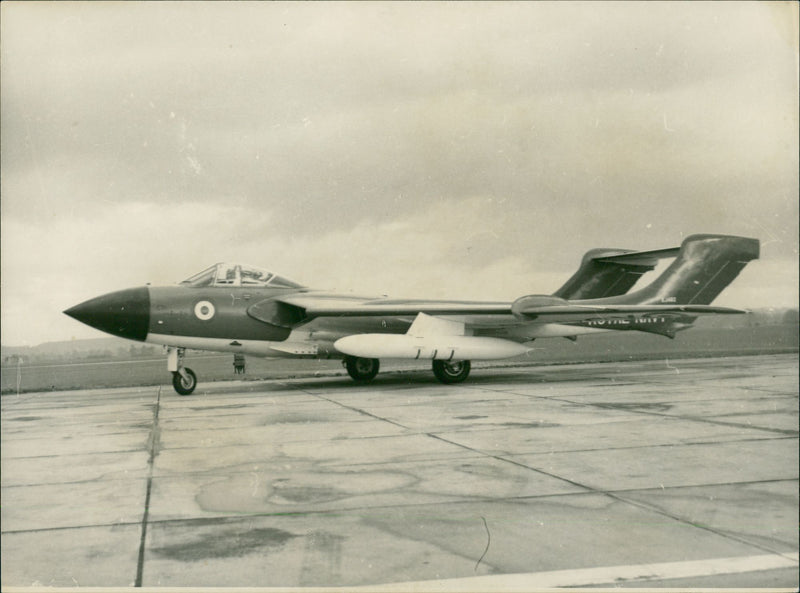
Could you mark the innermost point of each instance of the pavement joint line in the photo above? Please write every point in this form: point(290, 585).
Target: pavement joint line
point(786, 433)
point(153, 446)
point(345, 510)
point(352, 408)
point(290, 442)
point(391, 436)
point(642, 380)
point(81, 454)
point(649, 413)
point(248, 516)
point(519, 464)
point(655, 446)
point(409, 505)
point(783, 431)
point(687, 521)
point(68, 527)
point(434, 436)
point(348, 510)
point(622, 499)
point(216, 473)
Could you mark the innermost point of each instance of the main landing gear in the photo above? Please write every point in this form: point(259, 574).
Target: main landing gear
point(183, 378)
point(451, 372)
point(363, 370)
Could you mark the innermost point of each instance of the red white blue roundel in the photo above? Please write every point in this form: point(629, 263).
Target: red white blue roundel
point(204, 310)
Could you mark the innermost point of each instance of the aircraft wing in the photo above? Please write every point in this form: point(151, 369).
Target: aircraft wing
point(295, 310)
point(517, 314)
point(408, 309)
point(298, 309)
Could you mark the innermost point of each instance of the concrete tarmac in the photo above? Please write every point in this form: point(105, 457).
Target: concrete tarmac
point(644, 474)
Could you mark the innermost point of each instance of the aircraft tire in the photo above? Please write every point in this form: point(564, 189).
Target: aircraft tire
point(182, 386)
point(362, 370)
point(451, 372)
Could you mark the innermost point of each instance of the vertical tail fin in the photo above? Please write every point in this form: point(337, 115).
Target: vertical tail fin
point(704, 266)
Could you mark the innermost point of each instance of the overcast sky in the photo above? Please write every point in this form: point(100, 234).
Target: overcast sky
point(443, 150)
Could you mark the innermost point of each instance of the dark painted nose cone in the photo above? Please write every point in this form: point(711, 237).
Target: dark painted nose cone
point(125, 313)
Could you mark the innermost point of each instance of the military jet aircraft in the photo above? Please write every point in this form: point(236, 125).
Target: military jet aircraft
point(244, 309)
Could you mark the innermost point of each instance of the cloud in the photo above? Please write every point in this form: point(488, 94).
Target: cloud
point(452, 249)
point(385, 146)
point(424, 254)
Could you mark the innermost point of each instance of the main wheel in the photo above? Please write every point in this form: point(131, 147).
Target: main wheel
point(451, 372)
point(184, 386)
point(362, 369)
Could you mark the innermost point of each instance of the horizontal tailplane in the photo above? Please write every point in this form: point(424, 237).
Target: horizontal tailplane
point(610, 272)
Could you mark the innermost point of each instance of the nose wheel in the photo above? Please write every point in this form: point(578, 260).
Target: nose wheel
point(183, 379)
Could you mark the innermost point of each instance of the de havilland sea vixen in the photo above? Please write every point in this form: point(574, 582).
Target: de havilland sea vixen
point(240, 308)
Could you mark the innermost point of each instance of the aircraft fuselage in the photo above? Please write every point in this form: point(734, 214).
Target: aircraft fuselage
point(217, 318)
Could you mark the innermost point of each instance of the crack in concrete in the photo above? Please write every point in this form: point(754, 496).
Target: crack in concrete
point(153, 446)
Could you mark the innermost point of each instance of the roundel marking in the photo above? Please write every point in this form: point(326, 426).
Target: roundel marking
point(204, 310)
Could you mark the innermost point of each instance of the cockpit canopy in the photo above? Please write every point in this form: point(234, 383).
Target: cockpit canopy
point(228, 274)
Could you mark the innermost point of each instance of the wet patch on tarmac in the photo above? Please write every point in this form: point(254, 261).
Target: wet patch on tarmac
point(305, 494)
point(634, 406)
point(227, 544)
point(292, 418)
point(226, 407)
point(273, 488)
point(529, 424)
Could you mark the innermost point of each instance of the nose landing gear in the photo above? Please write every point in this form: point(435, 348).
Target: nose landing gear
point(183, 378)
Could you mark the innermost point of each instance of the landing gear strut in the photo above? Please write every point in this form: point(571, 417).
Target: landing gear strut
point(451, 372)
point(362, 370)
point(183, 378)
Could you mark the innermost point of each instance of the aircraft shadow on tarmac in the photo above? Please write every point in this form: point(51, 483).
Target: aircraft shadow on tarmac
point(389, 379)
